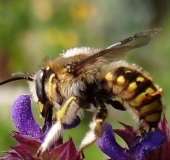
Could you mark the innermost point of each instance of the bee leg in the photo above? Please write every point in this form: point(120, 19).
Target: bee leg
point(96, 128)
point(46, 112)
point(56, 130)
point(48, 120)
point(117, 105)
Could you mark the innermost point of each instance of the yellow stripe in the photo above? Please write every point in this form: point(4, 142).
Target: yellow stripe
point(150, 107)
point(127, 71)
point(140, 79)
point(149, 91)
point(143, 95)
point(109, 76)
point(132, 87)
point(140, 98)
point(153, 117)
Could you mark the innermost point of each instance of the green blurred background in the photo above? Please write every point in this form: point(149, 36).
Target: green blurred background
point(33, 29)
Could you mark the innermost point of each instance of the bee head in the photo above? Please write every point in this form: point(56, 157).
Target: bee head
point(41, 79)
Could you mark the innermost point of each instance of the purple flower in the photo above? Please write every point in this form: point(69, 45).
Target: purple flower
point(30, 137)
point(24, 121)
point(137, 150)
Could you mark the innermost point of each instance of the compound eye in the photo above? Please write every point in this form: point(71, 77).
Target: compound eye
point(70, 68)
point(40, 86)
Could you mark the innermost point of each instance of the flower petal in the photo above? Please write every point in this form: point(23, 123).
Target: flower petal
point(109, 146)
point(25, 150)
point(125, 134)
point(66, 151)
point(151, 141)
point(24, 121)
point(23, 118)
point(74, 124)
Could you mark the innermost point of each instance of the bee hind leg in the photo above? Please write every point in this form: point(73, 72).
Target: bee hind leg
point(96, 128)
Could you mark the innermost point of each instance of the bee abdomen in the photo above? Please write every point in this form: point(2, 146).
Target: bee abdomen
point(137, 92)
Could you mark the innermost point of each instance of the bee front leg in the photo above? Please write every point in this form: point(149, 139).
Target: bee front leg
point(48, 120)
point(96, 128)
point(56, 131)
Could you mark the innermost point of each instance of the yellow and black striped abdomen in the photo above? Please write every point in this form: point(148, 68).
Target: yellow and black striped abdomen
point(137, 93)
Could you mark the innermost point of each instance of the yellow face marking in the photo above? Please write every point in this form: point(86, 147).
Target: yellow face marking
point(48, 68)
point(132, 87)
point(50, 84)
point(149, 107)
point(109, 77)
point(153, 117)
point(120, 80)
point(140, 79)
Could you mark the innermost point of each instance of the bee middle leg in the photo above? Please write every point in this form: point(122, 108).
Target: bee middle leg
point(96, 128)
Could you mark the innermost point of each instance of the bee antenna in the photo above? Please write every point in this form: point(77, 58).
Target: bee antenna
point(20, 75)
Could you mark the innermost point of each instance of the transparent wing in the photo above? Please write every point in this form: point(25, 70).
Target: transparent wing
point(118, 50)
point(137, 40)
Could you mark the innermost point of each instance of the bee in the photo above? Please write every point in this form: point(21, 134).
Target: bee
point(90, 79)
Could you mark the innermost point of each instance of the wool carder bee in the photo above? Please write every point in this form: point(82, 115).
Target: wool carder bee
point(89, 79)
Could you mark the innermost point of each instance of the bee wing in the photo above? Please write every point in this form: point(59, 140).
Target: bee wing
point(118, 50)
point(137, 40)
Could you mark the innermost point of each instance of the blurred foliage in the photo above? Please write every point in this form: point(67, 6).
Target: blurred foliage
point(33, 29)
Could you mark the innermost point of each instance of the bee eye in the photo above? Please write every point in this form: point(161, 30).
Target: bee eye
point(69, 67)
point(40, 86)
